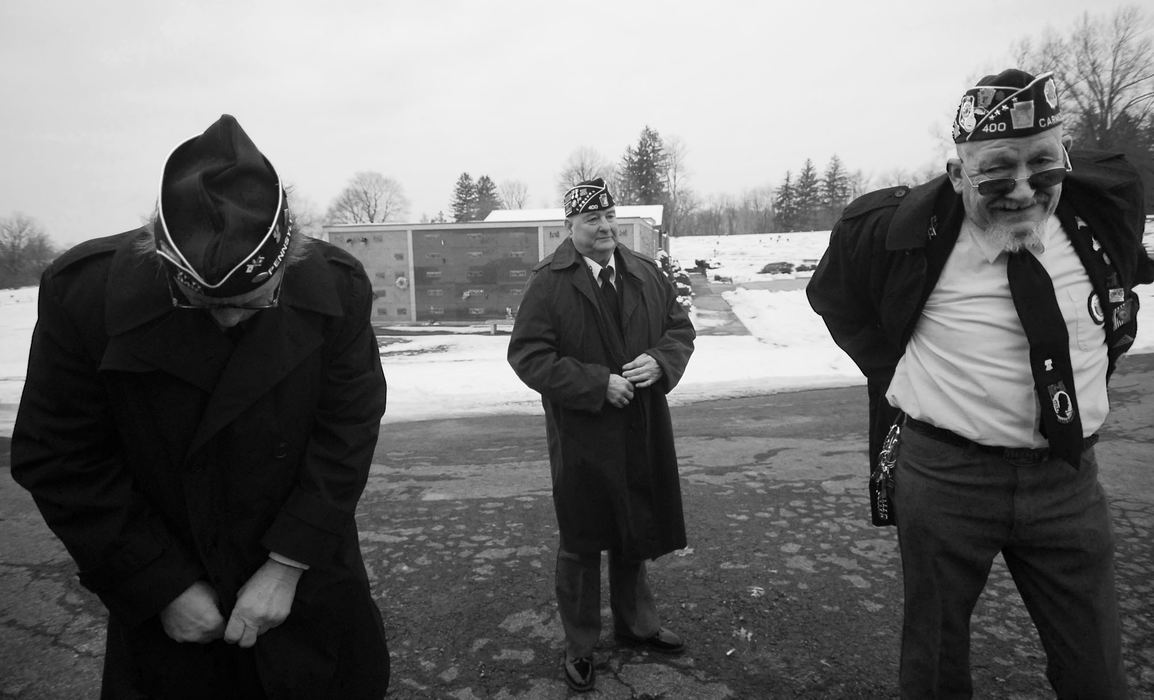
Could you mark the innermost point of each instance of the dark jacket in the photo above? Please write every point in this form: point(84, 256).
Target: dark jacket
point(889, 247)
point(615, 481)
point(161, 453)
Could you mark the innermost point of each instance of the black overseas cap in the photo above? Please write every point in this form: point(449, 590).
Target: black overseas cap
point(224, 225)
point(588, 195)
point(1008, 105)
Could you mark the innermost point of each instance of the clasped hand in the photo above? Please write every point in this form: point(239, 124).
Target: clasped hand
point(263, 603)
point(640, 373)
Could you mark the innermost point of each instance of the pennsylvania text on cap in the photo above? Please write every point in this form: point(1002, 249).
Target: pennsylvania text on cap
point(224, 225)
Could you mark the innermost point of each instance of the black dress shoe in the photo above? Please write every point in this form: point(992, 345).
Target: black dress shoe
point(664, 642)
point(579, 674)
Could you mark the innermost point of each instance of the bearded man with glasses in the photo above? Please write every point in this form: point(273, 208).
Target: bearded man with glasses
point(987, 310)
point(201, 407)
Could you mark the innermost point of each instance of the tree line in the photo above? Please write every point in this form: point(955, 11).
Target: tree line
point(25, 250)
point(1104, 67)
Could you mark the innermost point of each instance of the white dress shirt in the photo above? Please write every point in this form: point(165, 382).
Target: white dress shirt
point(967, 366)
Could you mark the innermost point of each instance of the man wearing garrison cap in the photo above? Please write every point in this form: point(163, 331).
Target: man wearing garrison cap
point(201, 406)
point(601, 337)
point(987, 310)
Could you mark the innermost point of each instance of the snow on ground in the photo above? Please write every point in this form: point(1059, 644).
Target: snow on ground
point(443, 374)
point(742, 257)
point(17, 318)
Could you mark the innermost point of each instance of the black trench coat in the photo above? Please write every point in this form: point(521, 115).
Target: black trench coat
point(160, 454)
point(615, 480)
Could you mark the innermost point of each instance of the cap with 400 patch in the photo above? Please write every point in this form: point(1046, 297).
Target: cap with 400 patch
point(588, 195)
point(224, 225)
point(1010, 104)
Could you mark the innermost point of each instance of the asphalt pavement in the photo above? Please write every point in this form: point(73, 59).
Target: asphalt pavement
point(785, 590)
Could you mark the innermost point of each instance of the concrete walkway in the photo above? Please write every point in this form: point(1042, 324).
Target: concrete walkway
point(785, 591)
point(715, 316)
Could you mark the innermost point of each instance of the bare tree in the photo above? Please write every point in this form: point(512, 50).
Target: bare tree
point(1105, 73)
point(585, 163)
point(759, 203)
point(899, 176)
point(514, 193)
point(369, 198)
point(681, 200)
point(24, 251)
point(859, 184)
point(305, 218)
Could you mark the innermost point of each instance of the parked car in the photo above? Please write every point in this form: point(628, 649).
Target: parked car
point(777, 268)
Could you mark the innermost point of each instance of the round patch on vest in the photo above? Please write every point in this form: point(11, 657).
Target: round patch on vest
point(1094, 304)
point(1063, 406)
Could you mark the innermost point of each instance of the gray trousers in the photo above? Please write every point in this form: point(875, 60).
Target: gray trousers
point(579, 600)
point(957, 508)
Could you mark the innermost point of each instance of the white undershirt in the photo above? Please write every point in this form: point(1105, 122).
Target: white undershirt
point(966, 367)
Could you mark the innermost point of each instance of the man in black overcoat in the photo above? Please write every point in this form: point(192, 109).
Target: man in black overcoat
point(201, 407)
point(601, 336)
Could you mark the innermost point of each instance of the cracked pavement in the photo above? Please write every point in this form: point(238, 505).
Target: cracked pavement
point(785, 590)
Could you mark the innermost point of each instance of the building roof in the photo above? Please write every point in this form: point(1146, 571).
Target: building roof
point(652, 212)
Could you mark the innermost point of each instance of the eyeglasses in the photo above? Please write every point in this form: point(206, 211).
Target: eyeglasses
point(180, 301)
point(1001, 186)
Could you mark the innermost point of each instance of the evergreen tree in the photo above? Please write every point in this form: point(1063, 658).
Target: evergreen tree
point(807, 197)
point(622, 182)
point(488, 198)
point(785, 205)
point(643, 170)
point(835, 192)
point(465, 199)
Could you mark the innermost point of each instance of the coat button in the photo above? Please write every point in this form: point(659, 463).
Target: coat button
point(901, 192)
point(281, 450)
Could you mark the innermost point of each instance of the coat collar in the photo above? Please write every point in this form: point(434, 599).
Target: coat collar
point(1090, 199)
point(628, 265)
point(147, 334)
point(137, 289)
point(1097, 193)
point(926, 213)
point(566, 255)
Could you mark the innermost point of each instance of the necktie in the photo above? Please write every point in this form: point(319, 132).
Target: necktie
point(609, 298)
point(1037, 306)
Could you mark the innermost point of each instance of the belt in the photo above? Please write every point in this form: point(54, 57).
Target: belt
point(1029, 455)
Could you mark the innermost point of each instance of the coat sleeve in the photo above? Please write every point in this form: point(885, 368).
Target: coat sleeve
point(318, 518)
point(66, 452)
point(844, 290)
point(535, 353)
point(675, 346)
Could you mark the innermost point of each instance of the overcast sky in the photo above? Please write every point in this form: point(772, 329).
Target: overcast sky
point(96, 94)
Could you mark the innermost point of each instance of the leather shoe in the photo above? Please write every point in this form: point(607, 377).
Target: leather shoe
point(579, 674)
point(664, 642)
